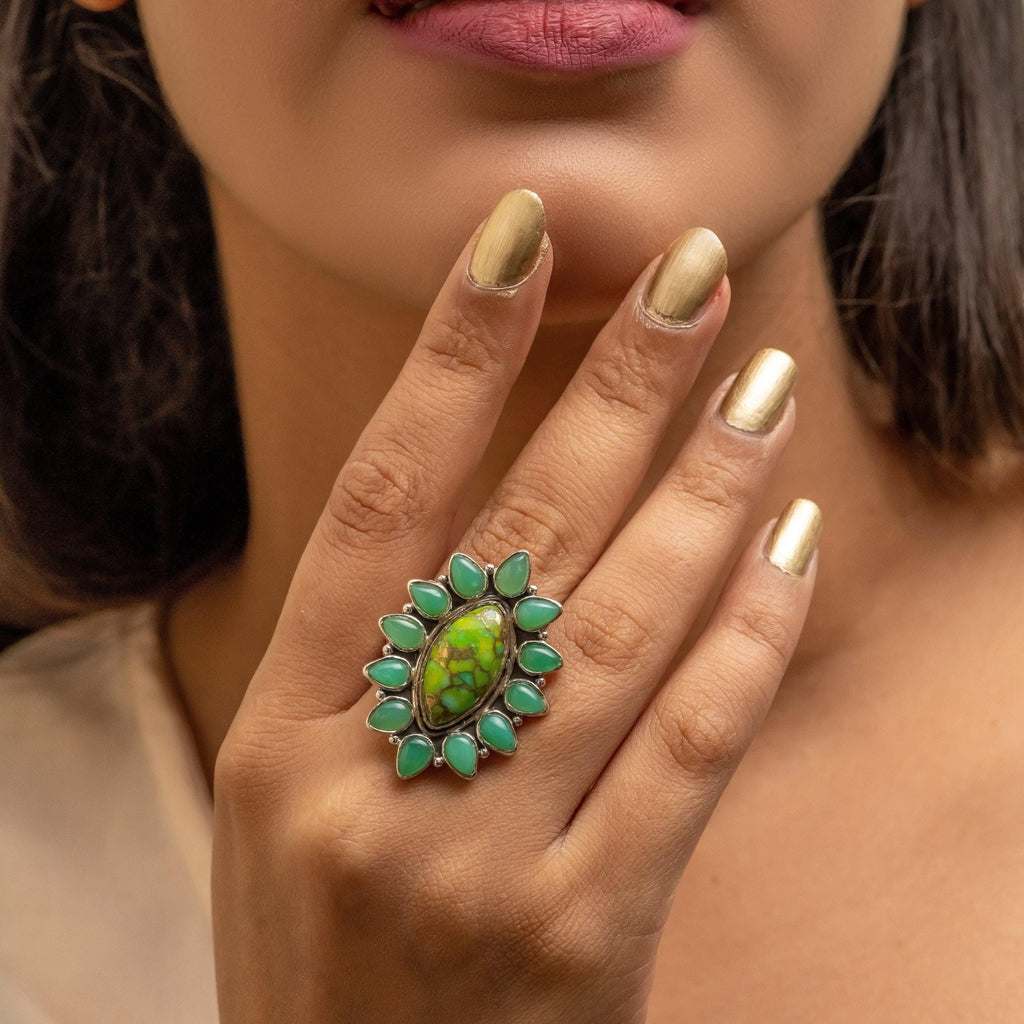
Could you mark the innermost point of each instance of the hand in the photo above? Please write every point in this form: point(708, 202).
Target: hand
point(537, 891)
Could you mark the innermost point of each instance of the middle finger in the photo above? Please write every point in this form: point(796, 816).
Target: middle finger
point(570, 486)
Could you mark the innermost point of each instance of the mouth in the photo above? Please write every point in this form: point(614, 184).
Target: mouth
point(400, 8)
point(549, 37)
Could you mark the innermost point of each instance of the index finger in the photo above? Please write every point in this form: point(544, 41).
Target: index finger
point(390, 511)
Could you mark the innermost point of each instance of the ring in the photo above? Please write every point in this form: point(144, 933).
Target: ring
point(463, 665)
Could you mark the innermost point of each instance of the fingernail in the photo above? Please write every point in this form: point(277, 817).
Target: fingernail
point(759, 393)
point(686, 278)
point(508, 248)
point(795, 537)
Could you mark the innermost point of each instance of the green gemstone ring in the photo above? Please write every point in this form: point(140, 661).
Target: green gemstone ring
point(463, 665)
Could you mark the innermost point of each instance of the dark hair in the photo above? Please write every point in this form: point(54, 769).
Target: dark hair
point(121, 466)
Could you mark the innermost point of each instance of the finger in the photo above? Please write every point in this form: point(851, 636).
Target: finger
point(570, 486)
point(624, 625)
point(390, 510)
point(645, 814)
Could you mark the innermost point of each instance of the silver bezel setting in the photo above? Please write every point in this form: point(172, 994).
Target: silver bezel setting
point(493, 701)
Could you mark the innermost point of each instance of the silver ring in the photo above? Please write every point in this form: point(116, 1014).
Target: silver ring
point(464, 664)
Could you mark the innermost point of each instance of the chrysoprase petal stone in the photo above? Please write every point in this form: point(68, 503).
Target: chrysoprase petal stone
point(391, 673)
point(496, 731)
point(536, 656)
point(511, 577)
point(525, 698)
point(415, 753)
point(533, 613)
point(430, 599)
point(459, 750)
point(463, 664)
point(391, 715)
point(467, 578)
point(405, 632)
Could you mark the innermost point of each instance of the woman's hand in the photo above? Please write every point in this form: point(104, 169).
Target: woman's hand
point(536, 892)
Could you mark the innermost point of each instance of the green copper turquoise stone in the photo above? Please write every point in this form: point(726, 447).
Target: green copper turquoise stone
point(496, 731)
point(533, 613)
point(536, 656)
point(405, 632)
point(459, 750)
point(391, 715)
point(525, 698)
point(391, 673)
point(415, 753)
point(467, 578)
point(430, 599)
point(463, 664)
point(512, 576)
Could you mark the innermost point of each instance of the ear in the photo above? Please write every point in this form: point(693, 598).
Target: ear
point(99, 5)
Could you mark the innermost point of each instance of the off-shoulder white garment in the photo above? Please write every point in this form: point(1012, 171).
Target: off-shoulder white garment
point(105, 829)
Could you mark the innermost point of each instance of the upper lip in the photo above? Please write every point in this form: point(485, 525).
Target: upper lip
point(396, 8)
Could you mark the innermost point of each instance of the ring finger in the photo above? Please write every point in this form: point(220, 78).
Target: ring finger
point(628, 618)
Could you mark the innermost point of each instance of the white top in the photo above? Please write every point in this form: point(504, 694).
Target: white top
point(105, 832)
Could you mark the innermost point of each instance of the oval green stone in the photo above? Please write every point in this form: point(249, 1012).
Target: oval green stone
point(496, 731)
point(467, 578)
point(430, 599)
point(513, 574)
point(405, 632)
point(459, 750)
point(463, 664)
point(533, 613)
point(525, 698)
point(391, 673)
point(415, 753)
point(391, 715)
point(536, 656)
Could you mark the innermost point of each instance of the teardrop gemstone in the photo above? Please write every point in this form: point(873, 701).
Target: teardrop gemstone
point(524, 698)
point(430, 599)
point(468, 580)
point(463, 665)
point(512, 576)
point(414, 754)
point(391, 715)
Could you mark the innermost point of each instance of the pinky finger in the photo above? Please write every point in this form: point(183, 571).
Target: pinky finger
point(643, 817)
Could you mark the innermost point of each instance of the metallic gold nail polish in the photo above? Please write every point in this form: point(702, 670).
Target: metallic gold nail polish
point(508, 248)
point(687, 277)
point(758, 396)
point(795, 537)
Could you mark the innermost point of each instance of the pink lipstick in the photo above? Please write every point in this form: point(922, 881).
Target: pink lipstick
point(546, 35)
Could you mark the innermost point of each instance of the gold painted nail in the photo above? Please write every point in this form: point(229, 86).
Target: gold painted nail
point(687, 277)
point(759, 394)
point(508, 249)
point(795, 537)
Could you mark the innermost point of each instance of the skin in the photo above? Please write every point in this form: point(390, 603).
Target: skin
point(862, 863)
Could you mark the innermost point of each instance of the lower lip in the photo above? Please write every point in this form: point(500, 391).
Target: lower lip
point(549, 35)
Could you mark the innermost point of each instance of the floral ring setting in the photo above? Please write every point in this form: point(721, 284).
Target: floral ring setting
point(463, 666)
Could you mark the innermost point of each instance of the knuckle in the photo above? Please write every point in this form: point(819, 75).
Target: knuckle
point(376, 496)
point(522, 521)
point(699, 734)
point(461, 343)
point(232, 772)
point(339, 856)
point(760, 627)
point(718, 486)
point(558, 942)
point(607, 634)
point(338, 838)
point(246, 773)
point(629, 382)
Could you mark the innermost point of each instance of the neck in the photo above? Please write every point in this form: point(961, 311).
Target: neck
point(314, 357)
